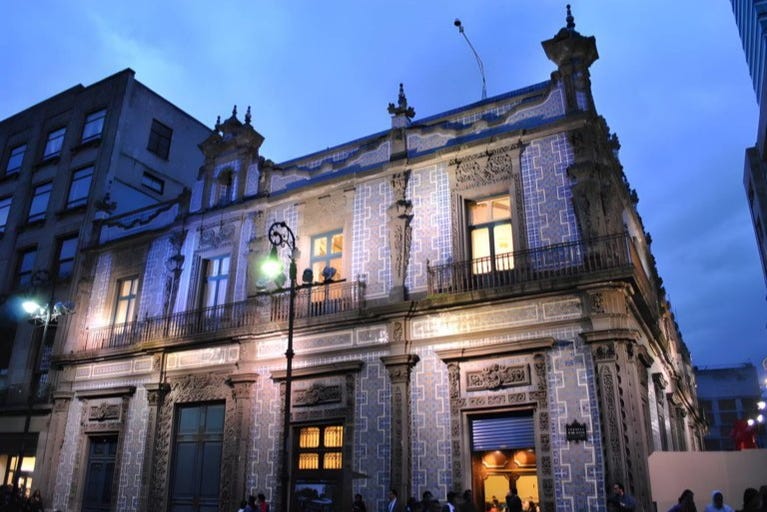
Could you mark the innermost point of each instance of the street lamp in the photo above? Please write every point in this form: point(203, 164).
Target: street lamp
point(280, 235)
point(759, 419)
point(44, 315)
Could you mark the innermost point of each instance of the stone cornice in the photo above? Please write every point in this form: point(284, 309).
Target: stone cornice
point(498, 349)
point(315, 371)
point(107, 392)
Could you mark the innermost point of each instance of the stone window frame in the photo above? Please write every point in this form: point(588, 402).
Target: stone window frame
point(534, 397)
point(318, 412)
point(184, 389)
point(482, 175)
point(95, 426)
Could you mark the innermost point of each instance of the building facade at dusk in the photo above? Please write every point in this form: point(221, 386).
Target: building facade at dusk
point(477, 308)
point(85, 153)
point(751, 20)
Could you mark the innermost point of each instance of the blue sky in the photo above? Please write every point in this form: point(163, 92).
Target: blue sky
point(671, 81)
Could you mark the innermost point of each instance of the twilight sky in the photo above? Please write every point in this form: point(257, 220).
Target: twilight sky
point(671, 81)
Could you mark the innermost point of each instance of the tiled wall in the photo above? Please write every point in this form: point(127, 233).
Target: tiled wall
point(549, 213)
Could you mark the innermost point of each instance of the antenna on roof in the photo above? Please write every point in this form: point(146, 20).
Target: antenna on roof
point(458, 24)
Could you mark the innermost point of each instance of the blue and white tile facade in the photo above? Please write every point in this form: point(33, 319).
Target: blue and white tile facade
point(360, 172)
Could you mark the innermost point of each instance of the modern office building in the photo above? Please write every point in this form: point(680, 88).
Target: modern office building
point(751, 20)
point(729, 395)
point(476, 306)
point(65, 163)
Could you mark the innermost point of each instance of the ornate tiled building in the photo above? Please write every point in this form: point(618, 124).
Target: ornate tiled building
point(480, 310)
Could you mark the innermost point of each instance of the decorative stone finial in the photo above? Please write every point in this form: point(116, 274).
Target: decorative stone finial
point(247, 116)
point(234, 112)
point(218, 123)
point(570, 20)
point(401, 108)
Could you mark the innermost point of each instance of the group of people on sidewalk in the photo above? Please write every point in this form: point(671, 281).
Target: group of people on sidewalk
point(753, 501)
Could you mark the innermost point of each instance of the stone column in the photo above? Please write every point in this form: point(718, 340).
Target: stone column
point(56, 432)
point(399, 367)
point(623, 426)
point(400, 214)
point(243, 387)
point(155, 395)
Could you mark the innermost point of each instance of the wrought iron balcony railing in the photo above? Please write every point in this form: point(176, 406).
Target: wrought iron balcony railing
point(233, 318)
point(545, 265)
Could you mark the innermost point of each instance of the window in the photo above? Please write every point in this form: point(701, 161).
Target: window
point(67, 253)
point(94, 124)
point(125, 307)
point(153, 183)
point(5, 209)
point(39, 204)
point(327, 250)
point(196, 465)
point(216, 279)
point(490, 235)
point(25, 266)
point(79, 188)
point(320, 447)
point(159, 139)
point(54, 143)
point(15, 159)
point(224, 184)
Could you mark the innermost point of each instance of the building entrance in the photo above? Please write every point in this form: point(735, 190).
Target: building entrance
point(503, 457)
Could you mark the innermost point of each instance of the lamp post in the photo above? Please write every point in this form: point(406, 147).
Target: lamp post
point(44, 315)
point(280, 235)
point(481, 66)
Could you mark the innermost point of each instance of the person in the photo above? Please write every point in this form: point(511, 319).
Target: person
point(36, 502)
point(394, 505)
point(426, 501)
point(513, 501)
point(449, 505)
point(243, 504)
point(685, 503)
point(717, 503)
point(468, 504)
point(620, 500)
point(763, 498)
point(261, 504)
point(358, 505)
point(531, 506)
point(251, 505)
point(750, 500)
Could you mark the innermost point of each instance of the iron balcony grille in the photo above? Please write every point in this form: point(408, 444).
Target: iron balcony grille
point(233, 318)
point(548, 264)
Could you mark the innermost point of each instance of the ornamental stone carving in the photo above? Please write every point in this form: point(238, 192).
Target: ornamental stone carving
point(498, 376)
point(213, 237)
point(400, 214)
point(317, 394)
point(484, 168)
point(104, 412)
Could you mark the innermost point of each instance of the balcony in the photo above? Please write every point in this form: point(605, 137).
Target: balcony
point(233, 319)
point(545, 268)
